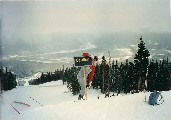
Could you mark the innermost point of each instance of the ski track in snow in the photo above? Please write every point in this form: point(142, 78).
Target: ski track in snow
point(59, 104)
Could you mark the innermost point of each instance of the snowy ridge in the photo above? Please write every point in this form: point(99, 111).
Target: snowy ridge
point(59, 104)
point(83, 47)
point(24, 81)
point(24, 55)
point(44, 57)
point(169, 51)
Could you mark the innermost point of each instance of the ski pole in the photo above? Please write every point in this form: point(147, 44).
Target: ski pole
point(85, 89)
point(11, 105)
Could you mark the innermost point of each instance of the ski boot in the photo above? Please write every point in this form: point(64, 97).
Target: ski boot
point(80, 97)
point(87, 84)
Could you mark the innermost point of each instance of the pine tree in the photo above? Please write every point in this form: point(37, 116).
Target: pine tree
point(152, 76)
point(116, 78)
point(141, 63)
point(142, 54)
point(166, 75)
point(72, 83)
point(8, 80)
point(130, 76)
point(42, 78)
point(104, 71)
point(1, 79)
point(65, 76)
point(113, 77)
point(125, 77)
point(96, 78)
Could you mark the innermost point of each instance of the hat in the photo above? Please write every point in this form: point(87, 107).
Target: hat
point(86, 55)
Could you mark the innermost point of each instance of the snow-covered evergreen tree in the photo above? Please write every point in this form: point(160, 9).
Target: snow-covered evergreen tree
point(141, 63)
point(104, 71)
point(8, 80)
point(96, 79)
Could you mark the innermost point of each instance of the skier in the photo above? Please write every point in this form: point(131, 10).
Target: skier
point(89, 72)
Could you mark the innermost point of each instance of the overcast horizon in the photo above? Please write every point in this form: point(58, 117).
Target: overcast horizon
point(85, 16)
point(27, 23)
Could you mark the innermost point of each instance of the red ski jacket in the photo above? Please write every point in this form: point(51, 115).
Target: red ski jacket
point(91, 74)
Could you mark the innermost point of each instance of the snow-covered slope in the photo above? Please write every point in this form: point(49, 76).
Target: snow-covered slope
point(59, 104)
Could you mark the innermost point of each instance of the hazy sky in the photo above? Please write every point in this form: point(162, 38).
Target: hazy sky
point(85, 16)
